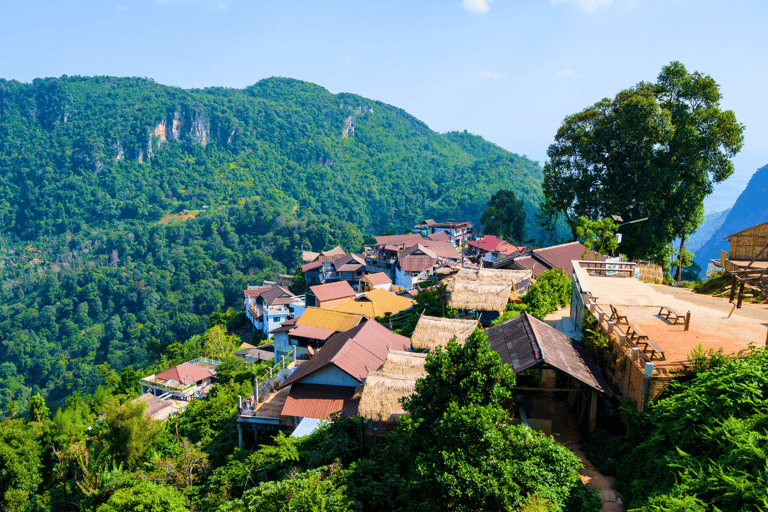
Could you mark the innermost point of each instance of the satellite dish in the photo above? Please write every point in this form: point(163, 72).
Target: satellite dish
point(311, 350)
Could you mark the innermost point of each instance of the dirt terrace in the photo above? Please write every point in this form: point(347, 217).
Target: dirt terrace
point(710, 327)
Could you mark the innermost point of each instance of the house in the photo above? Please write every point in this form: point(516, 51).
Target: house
point(485, 293)
point(414, 265)
point(158, 409)
point(349, 268)
point(310, 331)
point(326, 383)
point(382, 393)
point(547, 258)
point(490, 248)
point(459, 231)
point(376, 303)
point(182, 382)
point(371, 282)
point(268, 307)
point(747, 260)
point(525, 344)
point(432, 332)
point(328, 296)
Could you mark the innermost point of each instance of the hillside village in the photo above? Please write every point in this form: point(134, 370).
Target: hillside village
point(334, 348)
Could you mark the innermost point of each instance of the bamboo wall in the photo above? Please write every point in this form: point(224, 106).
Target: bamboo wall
point(746, 245)
point(652, 274)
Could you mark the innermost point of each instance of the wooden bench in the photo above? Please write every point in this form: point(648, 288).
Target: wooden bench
point(671, 315)
point(618, 315)
point(635, 332)
point(652, 346)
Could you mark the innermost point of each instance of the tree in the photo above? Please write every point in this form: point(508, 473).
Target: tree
point(655, 150)
point(128, 434)
point(21, 462)
point(598, 235)
point(37, 410)
point(505, 216)
point(145, 496)
point(465, 374)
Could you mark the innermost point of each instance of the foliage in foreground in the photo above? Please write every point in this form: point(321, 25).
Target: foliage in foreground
point(704, 447)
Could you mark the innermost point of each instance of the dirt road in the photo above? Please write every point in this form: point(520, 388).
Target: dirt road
point(754, 311)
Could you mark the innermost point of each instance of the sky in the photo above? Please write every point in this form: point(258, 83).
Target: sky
point(510, 71)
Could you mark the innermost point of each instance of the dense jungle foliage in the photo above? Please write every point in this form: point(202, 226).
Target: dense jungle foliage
point(455, 451)
point(131, 211)
point(703, 446)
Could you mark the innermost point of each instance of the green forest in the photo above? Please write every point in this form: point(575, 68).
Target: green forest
point(132, 211)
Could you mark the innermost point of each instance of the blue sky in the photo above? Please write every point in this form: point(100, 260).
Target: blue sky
point(507, 70)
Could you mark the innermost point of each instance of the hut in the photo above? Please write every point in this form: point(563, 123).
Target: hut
point(551, 367)
point(519, 279)
point(749, 244)
point(380, 396)
point(432, 332)
point(481, 300)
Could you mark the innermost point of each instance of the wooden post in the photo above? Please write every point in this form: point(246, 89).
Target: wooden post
point(593, 412)
point(687, 320)
point(239, 403)
point(610, 326)
point(733, 288)
point(270, 372)
point(255, 392)
point(239, 435)
point(741, 294)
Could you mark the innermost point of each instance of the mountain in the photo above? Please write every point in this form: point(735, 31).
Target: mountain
point(712, 223)
point(751, 208)
point(132, 212)
point(92, 151)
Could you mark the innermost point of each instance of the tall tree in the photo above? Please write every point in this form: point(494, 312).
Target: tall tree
point(655, 151)
point(504, 216)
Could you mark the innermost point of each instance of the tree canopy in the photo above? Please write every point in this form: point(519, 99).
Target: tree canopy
point(654, 150)
point(505, 216)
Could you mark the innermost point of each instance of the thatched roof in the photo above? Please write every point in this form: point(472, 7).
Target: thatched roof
point(380, 395)
point(432, 331)
point(404, 364)
point(480, 296)
point(520, 279)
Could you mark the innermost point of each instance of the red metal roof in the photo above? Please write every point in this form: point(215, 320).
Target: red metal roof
point(332, 291)
point(560, 256)
point(442, 249)
point(413, 238)
point(276, 294)
point(311, 266)
point(488, 243)
point(185, 373)
point(440, 236)
point(252, 293)
point(357, 351)
point(378, 278)
point(315, 333)
point(525, 342)
point(320, 401)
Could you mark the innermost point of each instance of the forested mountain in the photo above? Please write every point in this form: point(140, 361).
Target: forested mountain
point(131, 211)
point(81, 150)
point(750, 209)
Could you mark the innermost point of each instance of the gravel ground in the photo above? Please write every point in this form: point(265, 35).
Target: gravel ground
point(754, 311)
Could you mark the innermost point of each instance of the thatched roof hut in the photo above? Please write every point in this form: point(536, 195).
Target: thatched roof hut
point(480, 296)
point(432, 331)
point(520, 279)
point(404, 364)
point(380, 395)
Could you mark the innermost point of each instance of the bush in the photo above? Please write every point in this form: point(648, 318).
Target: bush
point(551, 291)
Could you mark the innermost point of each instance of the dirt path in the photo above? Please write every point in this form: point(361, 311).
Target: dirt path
point(754, 311)
point(565, 431)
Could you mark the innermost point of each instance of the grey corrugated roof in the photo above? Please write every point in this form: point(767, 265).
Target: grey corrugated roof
point(525, 342)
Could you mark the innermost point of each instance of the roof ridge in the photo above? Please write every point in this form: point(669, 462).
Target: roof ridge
point(528, 326)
